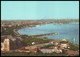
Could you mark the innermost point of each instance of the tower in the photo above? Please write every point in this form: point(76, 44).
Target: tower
point(6, 45)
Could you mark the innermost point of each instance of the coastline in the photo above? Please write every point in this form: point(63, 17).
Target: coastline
point(40, 35)
point(16, 30)
point(29, 39)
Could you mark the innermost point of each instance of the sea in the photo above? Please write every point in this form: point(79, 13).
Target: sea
point(69, 31)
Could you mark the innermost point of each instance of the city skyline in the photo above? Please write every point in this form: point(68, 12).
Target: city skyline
point(36, 10)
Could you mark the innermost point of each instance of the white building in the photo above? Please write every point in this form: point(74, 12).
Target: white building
point(56, 43)
point(47, 50)
point(64, 46)
point(33, 43)
point(57, 50)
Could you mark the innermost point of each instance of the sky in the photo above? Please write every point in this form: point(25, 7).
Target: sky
point(34, 10)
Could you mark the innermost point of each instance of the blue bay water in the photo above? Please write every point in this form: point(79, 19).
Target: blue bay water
point(67, 31)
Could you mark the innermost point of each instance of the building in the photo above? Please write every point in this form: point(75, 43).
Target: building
point(56, 43)
point(51, 42)
point(22, 49)
point(47, 50)
point(14, 42)
point(63, 46)
point(2, 46)
point(32, 48)
point(57, 49)
point(72, 53)
point(5, 45)
point(28, 49)
point(33, 43)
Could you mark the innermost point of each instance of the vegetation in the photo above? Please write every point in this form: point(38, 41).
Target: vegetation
point(47, 46)
point(64, 41)
point(28, 40)
point(31, 54)
point(74, 47)
point(9, 30)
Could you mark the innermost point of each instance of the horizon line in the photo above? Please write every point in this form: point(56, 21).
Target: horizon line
point(44, 19)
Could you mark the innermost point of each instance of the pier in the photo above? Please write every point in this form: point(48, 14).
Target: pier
point(45, 34)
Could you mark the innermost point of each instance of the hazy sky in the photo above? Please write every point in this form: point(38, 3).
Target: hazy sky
point(39, 10)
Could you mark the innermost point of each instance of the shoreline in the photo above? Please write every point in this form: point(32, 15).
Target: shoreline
point(40, 35)
point(30, 38)
point(16, 28)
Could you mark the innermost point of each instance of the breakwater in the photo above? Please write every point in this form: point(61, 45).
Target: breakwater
point(47, 34)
